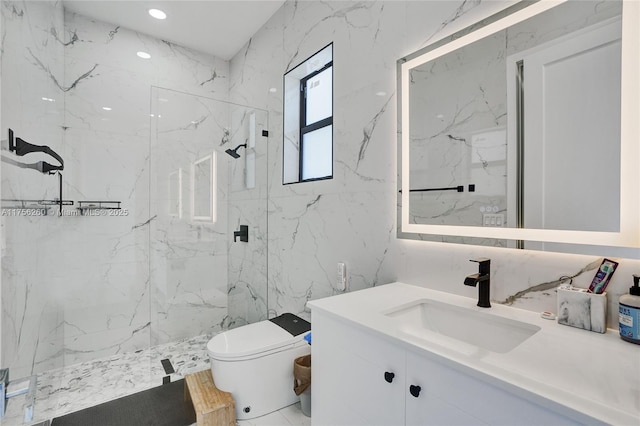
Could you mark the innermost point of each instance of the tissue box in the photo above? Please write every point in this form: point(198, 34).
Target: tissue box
point(580, 309)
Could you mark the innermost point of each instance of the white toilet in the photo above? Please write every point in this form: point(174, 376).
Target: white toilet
point(255, 363)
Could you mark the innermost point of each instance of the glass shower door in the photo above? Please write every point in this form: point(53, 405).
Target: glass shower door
point(198, 195)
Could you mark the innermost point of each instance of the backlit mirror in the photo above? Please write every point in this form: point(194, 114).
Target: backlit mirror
point(525, 127)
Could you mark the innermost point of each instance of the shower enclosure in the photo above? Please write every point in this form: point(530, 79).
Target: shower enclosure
point(142, 251)
point(202, 279)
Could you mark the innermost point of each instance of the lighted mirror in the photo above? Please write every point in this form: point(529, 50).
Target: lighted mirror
point(203, 189)
point(524, 127)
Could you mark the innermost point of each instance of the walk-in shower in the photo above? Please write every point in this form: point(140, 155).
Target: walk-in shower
point(161, 267)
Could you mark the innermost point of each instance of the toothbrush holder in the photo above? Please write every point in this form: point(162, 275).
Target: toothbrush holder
point(577, 308)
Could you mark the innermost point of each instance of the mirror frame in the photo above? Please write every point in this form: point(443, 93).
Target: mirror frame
point(629, 233)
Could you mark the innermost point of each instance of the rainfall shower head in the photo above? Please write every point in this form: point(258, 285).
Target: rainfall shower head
point(234, 152)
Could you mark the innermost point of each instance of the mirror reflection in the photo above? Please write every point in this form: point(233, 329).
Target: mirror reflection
point(521, 128)
point(203, 189)
point(175, 193)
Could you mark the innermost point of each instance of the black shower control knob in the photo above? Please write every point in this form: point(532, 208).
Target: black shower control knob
point(388, 376)
point(415, 390)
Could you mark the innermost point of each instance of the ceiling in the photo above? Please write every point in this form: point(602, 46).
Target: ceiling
point(218, 27)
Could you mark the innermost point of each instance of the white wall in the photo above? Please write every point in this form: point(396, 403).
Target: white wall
point(352, 218)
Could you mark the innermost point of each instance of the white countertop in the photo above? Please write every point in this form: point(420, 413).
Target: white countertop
point(592, 373)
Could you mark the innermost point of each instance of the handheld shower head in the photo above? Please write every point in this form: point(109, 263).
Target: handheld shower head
point(234, 152)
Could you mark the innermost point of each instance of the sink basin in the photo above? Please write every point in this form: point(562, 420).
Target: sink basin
point(423, 318)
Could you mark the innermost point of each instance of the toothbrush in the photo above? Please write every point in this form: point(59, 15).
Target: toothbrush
point(608, 270)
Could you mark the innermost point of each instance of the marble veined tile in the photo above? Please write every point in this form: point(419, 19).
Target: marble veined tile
point(102, 97)
point(302, 264)
point(104, 43)
point(64, 390)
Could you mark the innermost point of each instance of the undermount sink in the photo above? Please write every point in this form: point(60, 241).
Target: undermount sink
point(422, 318)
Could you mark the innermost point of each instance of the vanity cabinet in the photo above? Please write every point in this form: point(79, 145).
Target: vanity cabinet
point(355, 379)
point(361, 378)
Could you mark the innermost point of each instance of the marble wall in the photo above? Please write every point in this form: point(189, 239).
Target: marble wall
point(32, 60)
point(247, 266)
point(76, 288)
point(352, 218)
point(188, 239)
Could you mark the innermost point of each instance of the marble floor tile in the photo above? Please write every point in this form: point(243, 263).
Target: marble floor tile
point(75, 387)
point(295, 416)
point(291, 415)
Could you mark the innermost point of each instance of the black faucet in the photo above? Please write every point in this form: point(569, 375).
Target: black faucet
point(243, 233)
point(483, 278)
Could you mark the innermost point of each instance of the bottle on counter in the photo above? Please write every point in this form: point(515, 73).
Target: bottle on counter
point(629, 313)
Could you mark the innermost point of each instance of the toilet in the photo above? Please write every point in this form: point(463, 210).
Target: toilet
point(255, 363)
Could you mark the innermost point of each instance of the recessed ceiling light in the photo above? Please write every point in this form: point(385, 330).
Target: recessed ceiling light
point(157, 13)
point(48, 99)
point(144, 55)
point(273, 90)
point(106, 108)
point(381, 93)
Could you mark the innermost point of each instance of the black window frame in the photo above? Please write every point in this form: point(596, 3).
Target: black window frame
point(303, 128)
point(310, 127)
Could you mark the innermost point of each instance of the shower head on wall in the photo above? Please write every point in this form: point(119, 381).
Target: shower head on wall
point(234, 152)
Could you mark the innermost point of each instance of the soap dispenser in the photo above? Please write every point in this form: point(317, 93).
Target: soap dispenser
point(629, 309)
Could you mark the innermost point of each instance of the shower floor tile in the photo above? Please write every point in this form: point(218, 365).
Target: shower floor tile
point(65, 390)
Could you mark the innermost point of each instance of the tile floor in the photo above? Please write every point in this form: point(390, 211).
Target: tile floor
point(65, 390)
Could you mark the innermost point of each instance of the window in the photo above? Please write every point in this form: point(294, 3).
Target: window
point(308, 119)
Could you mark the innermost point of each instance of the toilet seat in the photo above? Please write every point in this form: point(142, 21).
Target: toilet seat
point(252, 341)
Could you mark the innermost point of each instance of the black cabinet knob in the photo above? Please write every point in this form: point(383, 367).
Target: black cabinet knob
point(389, 376)
point(415, 390)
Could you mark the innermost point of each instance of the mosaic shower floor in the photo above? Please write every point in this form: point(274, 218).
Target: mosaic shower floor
point(65, 390)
